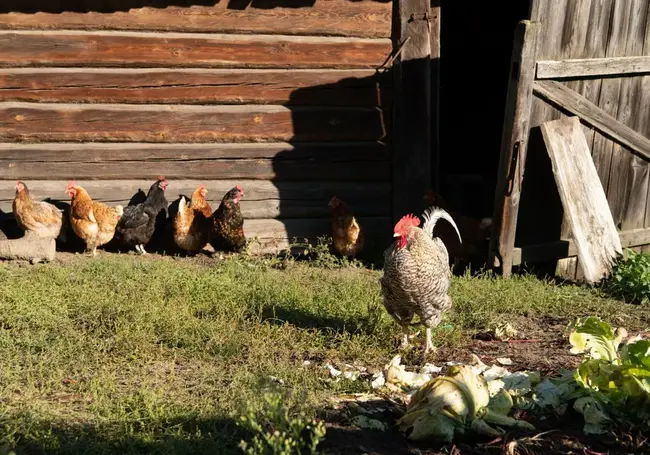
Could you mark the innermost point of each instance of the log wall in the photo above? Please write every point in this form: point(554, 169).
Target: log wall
point(281, 98)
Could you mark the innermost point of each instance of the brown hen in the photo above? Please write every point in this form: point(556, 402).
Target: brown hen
point(40, 218)
point(228, 223)
point(191, 225)
point(347, 234)
point(92, 221)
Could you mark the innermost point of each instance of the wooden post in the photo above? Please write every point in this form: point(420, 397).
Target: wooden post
point(435, 94)
point(412, 107)
point(514, 144)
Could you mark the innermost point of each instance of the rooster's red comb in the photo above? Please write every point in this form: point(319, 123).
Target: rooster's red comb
point(406, 222)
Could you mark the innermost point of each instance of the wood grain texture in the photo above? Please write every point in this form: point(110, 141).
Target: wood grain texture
point(514, 143)
point(100, 152)
point(263, 199)
point(322, 17)
point(126, 49)
point(583, 197)
point(592, 67)
point(620, 178)
point(412, 108)
point(162, 123)
point(195, 86)
point(611, 88)
point(574, 103)
point(544, 252)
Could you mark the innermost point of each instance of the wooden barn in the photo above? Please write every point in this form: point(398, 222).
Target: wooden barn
point(590, 59)
point(285, 97)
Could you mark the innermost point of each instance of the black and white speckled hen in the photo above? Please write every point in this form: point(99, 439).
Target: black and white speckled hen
point(417, 275)
point(228, 223)
point(138, 223)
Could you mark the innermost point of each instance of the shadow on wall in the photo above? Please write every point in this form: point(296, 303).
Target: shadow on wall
point(107, 6)
point(341, 148)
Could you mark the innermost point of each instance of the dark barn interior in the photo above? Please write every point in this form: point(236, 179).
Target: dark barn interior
point(475, 58)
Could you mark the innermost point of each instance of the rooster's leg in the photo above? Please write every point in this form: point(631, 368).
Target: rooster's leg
point(142, 250)
point(406, 336)
point(429, 347)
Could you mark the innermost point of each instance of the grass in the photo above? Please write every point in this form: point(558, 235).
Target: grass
point(125, 354)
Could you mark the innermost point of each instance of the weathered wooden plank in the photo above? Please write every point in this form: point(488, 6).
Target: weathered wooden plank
point(194, 86)
point(583, 197)
point(574, 103)
point(611, 87)
point(638, 169)
point(412, 111)
point(514, 143)
point(592, 67)
point(552, 18)
point(435, 30)
point(263, 199)
point(545, 252)
point(131, 49)
point(164, 123)
point(201, 169)
point(101, 152)
point(322, 17)
point(621, 170)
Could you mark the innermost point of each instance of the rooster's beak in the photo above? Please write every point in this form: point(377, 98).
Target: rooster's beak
point(396, 235)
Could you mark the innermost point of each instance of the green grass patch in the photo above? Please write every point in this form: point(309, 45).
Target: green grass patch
point(125, 354)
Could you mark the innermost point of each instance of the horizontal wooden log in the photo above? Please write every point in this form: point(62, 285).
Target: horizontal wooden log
point(195, 86)
point(563, 249)
point(592, 67)
point(163, 123)
point(201, 169)
point(322, 17)
point(100, 152)
point(572, 102)
point(123, 49)
point(263, 199)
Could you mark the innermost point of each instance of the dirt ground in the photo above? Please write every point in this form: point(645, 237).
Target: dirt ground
point(546, 350)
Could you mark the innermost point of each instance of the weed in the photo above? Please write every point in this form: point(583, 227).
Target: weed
point(630, 279)
point(276, 433)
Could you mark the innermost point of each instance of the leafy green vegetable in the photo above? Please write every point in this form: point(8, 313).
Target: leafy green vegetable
point(630, 279)
point(615, 377)
point(449, 406)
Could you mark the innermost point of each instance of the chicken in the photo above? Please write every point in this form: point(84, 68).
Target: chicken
point(228, 223)
point(40, 218)
point(416, 274)
point(474, 232)
point(347, 234)
point(92, 221)
point(138, 223)
point(191, 226)
point(199, 203)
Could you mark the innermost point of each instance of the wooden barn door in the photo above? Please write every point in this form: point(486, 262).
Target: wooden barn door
point(285, 101)
point(590, 59)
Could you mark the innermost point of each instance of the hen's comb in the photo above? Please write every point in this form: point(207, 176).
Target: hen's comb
point(161, 178)
point(406, 222)
point(238, 188)
point(71, 184)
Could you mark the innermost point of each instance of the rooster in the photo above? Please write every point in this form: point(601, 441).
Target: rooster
point(474, 232)
point(416, 274)
point(191, 225)
point(92, 221)
point(347, 234)
point(137, 225)
point(40, 218)
point(228, 223)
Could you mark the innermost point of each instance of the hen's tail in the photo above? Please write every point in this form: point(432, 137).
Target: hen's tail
point(431, 217)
